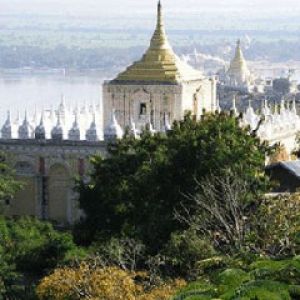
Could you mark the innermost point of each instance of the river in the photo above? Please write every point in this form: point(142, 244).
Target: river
point(29, 92)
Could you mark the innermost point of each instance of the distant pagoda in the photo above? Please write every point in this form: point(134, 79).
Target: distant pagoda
point(238, 74)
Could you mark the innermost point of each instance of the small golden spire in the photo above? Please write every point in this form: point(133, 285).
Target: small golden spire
point(159, 14)
point(159, 38)
point(239, 53)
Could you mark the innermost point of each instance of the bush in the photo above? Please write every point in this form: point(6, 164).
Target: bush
point(184, 250)
point(90, 281)
point(28, 249)
point(34, 246)
point(265, 280)
point(276, 225)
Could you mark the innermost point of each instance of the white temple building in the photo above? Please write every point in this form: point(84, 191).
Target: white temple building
point(157, 86)
point(63, 123)
point(49, 148)
point(279, 124)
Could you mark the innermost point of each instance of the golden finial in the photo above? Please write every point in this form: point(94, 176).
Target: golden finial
point(159, 15)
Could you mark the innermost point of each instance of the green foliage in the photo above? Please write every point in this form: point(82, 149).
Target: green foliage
point(262, 290)
point(184, 250)
point(287, 271)
point(8, 185)
point(136, 190)
point(34, 245)
point(28, 249)
point(276, 226)
point(264, 280)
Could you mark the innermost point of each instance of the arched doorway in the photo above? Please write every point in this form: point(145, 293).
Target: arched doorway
point(25, 202)
point(59, 191)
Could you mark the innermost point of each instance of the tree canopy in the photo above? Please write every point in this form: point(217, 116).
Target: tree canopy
point(8, 185)
point(137, 188)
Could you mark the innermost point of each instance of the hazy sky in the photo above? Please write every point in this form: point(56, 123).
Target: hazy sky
point(179, 14)
point(83, 7)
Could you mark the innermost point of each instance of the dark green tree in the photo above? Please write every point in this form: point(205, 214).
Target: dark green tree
point(30, 248)
point(8, 185)
point(137, 188)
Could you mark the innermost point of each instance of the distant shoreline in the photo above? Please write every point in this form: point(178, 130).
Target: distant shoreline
point(53, 71)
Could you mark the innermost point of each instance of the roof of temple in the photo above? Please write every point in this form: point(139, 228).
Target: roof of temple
point(293, 167)
point(159, 63)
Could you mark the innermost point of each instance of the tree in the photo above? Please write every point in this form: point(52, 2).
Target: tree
point(137, 188)
point(28, 249)
point(225, 211)
point(276, 226)
point(221, 210)
point(8, 185)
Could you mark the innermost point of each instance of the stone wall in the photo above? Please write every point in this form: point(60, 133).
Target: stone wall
point(48, 170)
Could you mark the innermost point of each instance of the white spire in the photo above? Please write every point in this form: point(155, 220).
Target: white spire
point(265, 110)
point(6, 130)
point(133, 130)
point(57, 132)
point(294, 106)
point(113, 130)
point(233, 108)
point(218, 105)
point(74, 132)
point(92, 134)
point(25, 130)
point(167, 125)
point(40, 131)
point(250, 116)
point(149, 127)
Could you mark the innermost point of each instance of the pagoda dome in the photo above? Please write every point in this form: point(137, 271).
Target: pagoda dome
point(133, 130)
point(159, 64)
point(6, 131)
point(238, 69)
point(25, 130)
point(113, 131)
point(40, 131)
point(92, 133)
point(74, 132)
point(57, 132)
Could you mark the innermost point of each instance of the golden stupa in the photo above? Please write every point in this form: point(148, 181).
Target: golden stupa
point(159, 64)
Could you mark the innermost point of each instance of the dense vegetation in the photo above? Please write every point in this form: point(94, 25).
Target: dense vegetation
point(136, 191)
point(29, 249)
point(182, 214)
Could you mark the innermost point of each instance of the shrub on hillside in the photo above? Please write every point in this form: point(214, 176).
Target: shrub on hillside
point(90, 281)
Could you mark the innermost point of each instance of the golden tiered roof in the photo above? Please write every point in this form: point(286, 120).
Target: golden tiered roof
point(159, 63)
